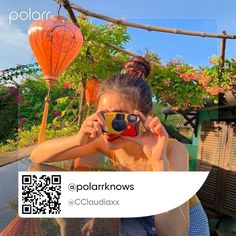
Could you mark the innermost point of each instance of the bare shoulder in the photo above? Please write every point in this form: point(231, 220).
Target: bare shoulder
point(175, 145)
point(177, 155)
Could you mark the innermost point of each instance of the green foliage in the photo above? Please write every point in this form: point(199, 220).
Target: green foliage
point(10, 98)
point(172, 120)
point(8, 112)
point(27, 138)
point(177, 84)
point(182, 86)
point(33, 92)
point(220, 80)
point(95, 57)
point(9, 146)
point(170, 87)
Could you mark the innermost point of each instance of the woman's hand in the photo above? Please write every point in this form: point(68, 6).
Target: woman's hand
point(87, 229)
point(91, 128)
point(153, 142)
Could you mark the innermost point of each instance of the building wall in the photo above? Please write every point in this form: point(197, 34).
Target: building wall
point(228, 223)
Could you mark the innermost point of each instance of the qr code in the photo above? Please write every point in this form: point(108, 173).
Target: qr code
point(41, 194)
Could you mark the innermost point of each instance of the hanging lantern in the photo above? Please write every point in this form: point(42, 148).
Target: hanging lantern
point(55, 43)
point(91, 90)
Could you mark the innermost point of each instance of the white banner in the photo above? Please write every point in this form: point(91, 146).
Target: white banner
point(104, 194)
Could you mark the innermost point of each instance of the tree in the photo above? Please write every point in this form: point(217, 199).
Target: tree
point(95, 58)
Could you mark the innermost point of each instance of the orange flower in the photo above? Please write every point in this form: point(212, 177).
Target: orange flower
point(66, 84)
point(91, 90)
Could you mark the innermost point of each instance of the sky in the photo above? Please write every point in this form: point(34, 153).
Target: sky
point(211, 16)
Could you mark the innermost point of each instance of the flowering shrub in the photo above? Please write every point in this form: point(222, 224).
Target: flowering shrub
point(177, 84)
point(183, 86)
point(223, 79)
point(8, 112)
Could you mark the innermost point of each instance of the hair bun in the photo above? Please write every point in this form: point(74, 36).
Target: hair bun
point(138, 66)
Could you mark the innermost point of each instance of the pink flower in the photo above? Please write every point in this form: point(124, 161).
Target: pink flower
point(12, 90)
point(57, 113)
point(110, 25)
point(221, 90)
point(22, 121)
point(214, 90)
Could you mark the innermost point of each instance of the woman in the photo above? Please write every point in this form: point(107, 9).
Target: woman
point(151, 150)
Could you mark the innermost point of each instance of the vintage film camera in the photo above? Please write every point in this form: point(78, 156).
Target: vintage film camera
point(121, 123)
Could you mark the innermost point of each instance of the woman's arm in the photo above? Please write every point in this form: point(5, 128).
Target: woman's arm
point(66, 148)
point(86, 142)
point(176, 221)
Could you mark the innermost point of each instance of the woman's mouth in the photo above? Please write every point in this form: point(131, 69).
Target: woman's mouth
point(111, 137)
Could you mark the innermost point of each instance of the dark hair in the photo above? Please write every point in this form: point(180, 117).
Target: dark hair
point(135, 88)
point(136, 65)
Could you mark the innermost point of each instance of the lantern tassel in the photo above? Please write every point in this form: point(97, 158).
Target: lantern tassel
point(42, 131)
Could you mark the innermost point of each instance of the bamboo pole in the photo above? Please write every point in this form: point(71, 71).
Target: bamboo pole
point(120, 49)
point(67, 5)
point(131, 53)
point(149, 27)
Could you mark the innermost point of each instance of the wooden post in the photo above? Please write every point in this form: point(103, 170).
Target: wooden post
point(222, 53)
point(222, 64)
point(82, 102)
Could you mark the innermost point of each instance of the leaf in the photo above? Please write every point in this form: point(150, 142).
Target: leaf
point(62, 100)
point(55, 122)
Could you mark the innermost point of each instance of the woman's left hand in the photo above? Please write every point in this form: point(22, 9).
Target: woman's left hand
point(154, 142)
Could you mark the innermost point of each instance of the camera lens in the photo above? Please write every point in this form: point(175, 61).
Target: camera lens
point(118, 125)
point(119, 116)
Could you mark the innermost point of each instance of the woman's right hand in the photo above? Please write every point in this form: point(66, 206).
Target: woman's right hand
point(91, 128)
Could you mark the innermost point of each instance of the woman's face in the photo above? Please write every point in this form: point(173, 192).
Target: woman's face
point(114, 102)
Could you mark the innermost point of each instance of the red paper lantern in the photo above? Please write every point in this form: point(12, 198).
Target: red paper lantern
point(55, 43)
point(91, 90)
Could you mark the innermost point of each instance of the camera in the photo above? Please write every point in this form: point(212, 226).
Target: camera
point(121, 123)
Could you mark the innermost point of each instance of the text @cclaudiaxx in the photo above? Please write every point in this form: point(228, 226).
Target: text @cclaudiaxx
point(96, 187)
point(92, 202)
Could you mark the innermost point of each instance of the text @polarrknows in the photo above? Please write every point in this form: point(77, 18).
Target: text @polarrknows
point(97, 187)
